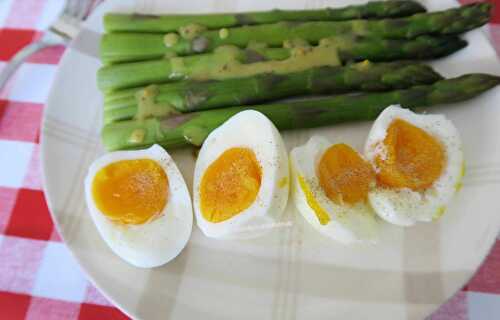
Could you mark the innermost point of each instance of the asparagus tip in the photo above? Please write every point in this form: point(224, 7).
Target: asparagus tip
point(479, 10)
point(455, 43)
point(479, 81)
point(413, 6)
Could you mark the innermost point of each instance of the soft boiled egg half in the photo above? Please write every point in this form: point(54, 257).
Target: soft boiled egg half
point(330, 189)
point(140, 205)
point(419, 164)
point(241, 178)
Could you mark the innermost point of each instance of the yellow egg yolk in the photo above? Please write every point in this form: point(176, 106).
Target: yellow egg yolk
point(131, 191)
point(344, 175)
point(413, 158)
point(230, 184)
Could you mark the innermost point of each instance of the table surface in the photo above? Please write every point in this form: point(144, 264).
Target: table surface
point(39, 279)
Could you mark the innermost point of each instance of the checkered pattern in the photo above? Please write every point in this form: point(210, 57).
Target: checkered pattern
point(39, 279)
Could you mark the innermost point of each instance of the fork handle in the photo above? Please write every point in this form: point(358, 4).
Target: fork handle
point(19, 58)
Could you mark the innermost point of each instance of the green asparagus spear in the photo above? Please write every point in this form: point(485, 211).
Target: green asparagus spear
point(120, 47)
point(193, 128)
point(189, 96)
point(166, 23)
point(127, 75)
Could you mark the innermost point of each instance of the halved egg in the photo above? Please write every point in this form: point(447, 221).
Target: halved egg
point(419, 164)
point(241, 177)
point(330, 189)
point(140, 205)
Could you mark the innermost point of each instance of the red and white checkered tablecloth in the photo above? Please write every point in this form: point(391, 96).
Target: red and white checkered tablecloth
point(39, 279)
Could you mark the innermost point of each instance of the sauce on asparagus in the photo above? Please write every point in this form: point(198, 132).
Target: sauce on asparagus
point(229, 63)
point(148, 107)
point(170, 39)
point(223, 33)
point(137, 136)
point(191, 31)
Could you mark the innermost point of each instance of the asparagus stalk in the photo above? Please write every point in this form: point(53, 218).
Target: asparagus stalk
point(189, 96)
point(193, 128)
point(127, 75)
point(120, 47)
point(166, 23)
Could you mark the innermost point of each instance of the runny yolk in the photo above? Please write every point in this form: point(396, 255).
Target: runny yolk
point(230, 184)
point(413, 158)
point(344, 175)
point(131, 191)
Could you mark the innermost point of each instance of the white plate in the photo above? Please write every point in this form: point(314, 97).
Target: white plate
point(293, 272)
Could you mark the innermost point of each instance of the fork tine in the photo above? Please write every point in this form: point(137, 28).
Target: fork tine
point(78, 9)
point(75, 11)
point(70, 8)
point(83, 9)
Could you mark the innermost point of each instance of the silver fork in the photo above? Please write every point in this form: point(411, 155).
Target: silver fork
point(62, 31)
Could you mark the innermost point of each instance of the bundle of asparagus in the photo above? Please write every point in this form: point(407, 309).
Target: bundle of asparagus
point(163, 73)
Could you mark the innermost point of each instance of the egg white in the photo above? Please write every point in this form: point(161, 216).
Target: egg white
point(348, 223)
point(155, 242)
point(405, 207)
point(253, 130)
